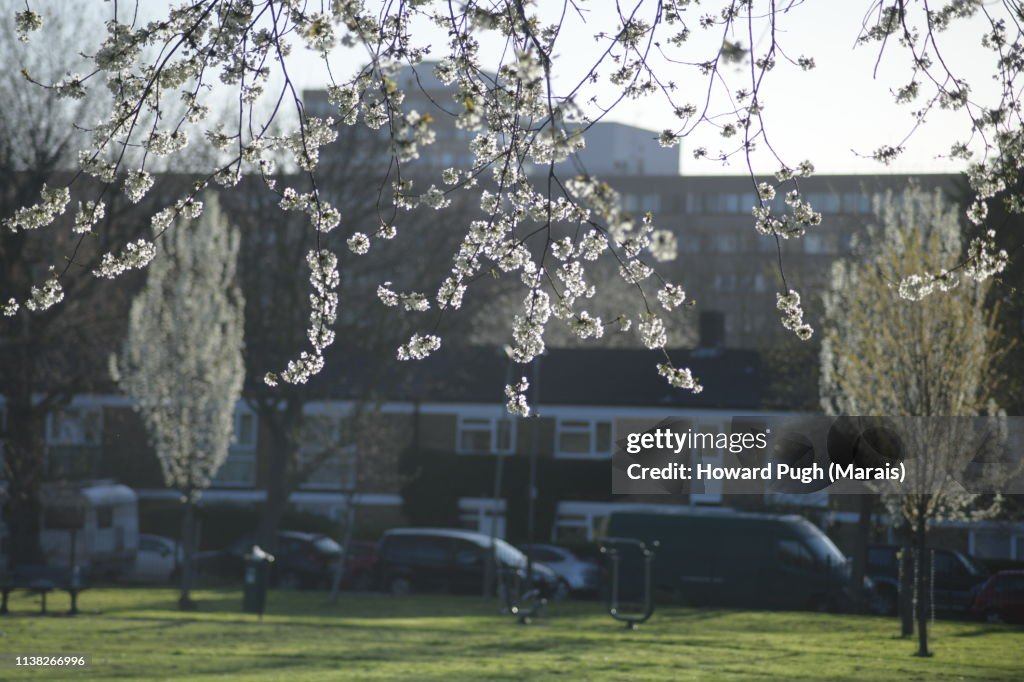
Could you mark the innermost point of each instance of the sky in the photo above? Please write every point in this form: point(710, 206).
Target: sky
point(828, 115)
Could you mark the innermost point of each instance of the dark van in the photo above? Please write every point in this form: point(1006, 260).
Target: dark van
point(450, 560)
point(957, 577)
point(728, 558)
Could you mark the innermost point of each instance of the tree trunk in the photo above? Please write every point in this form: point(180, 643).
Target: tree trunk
point(24, 459)
point(906, 587)
point(923, 585)
point(860, 552)
point(279, 475)
point(185, 602)
point(277, 489)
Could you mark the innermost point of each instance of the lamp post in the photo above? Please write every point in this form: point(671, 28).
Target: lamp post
point(531, 500)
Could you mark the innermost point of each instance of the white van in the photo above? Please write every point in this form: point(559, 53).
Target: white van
point(98, 522)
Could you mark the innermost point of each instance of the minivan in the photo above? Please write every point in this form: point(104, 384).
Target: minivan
point(451, 560)
point(729, 558)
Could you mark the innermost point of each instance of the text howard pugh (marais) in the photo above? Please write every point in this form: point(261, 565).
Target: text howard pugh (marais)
point(808, 453)
point(769, 472)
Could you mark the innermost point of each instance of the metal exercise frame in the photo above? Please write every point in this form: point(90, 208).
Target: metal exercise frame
point(524, 605)
point(609, 549)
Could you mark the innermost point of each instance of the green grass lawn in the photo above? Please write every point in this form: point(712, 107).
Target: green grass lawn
point(137, 634)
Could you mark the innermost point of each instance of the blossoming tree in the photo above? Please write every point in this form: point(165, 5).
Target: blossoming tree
point(884, 355)
point(200, 53)
point(182, 360)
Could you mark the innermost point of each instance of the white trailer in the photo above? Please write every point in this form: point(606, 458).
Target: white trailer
point(94, 525)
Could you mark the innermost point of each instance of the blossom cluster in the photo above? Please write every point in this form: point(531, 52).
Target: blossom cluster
point(515, 395)
point(679, 377)
point(793, 314)
point(136, 255)
point(419, 346)
point(43, 297)
point(323, 301)
point(53, 202)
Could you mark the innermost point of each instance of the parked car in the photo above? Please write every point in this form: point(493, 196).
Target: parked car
point(579, 575)
point(452, 560)
point(1001, 598)
point(360, 558)
point(301, 560)
point(158, 560)
point(958, 577)
point(729, 558)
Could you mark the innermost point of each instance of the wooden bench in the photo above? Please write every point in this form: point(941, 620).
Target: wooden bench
point(42, 580)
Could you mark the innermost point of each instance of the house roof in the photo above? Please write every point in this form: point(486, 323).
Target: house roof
point(732, 379)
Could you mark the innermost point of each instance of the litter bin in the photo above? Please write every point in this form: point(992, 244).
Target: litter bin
point(257, 580)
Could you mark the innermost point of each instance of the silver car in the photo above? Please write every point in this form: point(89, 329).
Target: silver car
point(158, 560)
point(580, 575)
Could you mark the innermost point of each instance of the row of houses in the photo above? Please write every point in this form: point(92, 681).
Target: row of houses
point(443, 450)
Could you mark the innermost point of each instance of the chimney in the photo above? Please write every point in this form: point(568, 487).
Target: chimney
point(711, 329)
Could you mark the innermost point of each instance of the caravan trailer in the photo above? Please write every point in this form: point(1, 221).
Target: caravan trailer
point(95, 525)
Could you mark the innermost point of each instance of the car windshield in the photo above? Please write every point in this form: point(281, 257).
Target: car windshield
point(824, 550)
point(508, 555)
point(327, 545)
point(973, 567)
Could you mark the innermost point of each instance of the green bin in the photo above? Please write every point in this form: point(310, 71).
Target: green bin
point(257, 581)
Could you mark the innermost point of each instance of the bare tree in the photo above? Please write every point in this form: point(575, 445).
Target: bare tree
point(190, 309)
point(46, 358)
point(884, 355)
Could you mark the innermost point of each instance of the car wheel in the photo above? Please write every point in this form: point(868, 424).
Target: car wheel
point(290, 581)
point(891, 601)
point(400, 587)
point(561, 591)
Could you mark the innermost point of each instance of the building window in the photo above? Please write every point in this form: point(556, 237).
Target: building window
point(650, 202)
point(74, 426)
point(326, 460)
point(856, 203)
point(725, 243)
point(824, 202)
point(814, 243)
point(690, 244)
point(483, 515)
point(999, 543)
point(583, 438)
point(694, 203)
point(767, 243)
point(239, 469)
point(726, 282)
point(485, 436)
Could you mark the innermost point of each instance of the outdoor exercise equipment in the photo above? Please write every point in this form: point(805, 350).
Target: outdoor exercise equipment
point(610, 548)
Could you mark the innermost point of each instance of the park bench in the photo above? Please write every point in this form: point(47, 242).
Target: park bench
point(42, 580)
